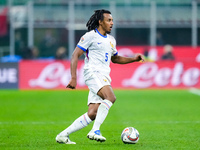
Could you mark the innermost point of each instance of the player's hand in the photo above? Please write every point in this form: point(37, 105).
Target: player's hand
point(139, 57)
point(72, 84)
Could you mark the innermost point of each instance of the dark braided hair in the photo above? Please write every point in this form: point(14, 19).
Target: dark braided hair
point(93, 22)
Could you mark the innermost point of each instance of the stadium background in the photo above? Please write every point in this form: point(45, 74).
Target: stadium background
point(49, 30)
point(160, 97)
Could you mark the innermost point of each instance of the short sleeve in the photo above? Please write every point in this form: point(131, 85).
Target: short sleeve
point(85, 42)
point(114, 49)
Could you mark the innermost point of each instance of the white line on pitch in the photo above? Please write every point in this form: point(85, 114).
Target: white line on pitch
point(194, 91)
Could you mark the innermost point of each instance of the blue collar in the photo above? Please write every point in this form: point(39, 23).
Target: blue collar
point(105, 36)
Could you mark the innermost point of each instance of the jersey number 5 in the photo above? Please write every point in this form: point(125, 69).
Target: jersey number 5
point(106, 55)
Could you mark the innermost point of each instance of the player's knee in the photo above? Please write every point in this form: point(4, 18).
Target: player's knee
point(92, 114)
point(112, 99)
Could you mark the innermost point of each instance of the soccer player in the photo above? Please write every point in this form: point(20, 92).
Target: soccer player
point(99, 48)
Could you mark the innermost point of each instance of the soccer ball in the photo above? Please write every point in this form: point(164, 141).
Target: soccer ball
point(130, 135)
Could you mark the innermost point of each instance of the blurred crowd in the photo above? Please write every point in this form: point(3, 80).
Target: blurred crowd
point(48, 48)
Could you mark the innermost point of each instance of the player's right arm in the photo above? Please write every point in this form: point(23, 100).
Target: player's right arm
point(73, 67)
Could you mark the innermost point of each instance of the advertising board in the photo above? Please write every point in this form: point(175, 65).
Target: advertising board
point(164, 74)
point(9, 75)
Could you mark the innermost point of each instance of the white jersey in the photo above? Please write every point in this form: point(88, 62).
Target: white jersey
point(98, 51)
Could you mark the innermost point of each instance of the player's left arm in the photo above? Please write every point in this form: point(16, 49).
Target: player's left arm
point(125, 60)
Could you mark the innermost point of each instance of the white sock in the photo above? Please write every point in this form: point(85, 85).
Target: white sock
point(78, 124)
point(102, 112)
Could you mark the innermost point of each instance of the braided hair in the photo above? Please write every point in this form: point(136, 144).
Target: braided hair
point(93, 22)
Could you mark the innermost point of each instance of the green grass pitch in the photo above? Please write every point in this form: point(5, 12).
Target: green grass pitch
point(165, 119)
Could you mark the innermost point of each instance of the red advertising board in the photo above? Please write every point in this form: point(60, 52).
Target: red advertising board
point(183, 72)
point(173, 74)
point(44, 74)
point(161, 74)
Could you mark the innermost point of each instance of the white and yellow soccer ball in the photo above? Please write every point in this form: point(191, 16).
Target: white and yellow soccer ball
point(130, 135)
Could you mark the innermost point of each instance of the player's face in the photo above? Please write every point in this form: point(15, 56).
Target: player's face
point(107, 23)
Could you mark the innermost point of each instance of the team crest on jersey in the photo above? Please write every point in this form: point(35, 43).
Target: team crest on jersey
point(82, 39)
point(111, 45)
